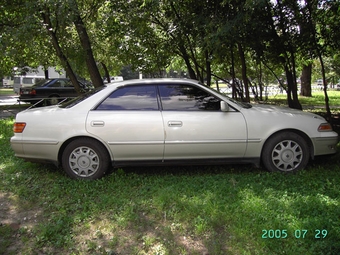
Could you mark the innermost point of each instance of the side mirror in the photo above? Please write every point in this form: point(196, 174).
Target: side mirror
point(224, 106)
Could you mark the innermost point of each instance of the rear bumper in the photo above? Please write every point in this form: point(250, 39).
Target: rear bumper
point(35, 151)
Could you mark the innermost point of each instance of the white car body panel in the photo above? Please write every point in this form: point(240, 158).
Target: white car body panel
point(192, 135)
point(129, 135)
point(266, 120)
point(53, 125)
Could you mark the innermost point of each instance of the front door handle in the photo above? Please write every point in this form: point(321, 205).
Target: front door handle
point(97, 123)
point(175, 123)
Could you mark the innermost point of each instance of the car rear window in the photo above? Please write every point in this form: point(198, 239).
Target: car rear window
point(77, 100)
point(133, 98)
point(41, 83)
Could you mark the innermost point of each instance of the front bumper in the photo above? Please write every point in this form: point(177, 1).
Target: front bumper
point(325, 145)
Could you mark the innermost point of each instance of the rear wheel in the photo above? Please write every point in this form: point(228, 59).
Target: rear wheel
point(285, 152)
point(52, 100)
point(85, 158)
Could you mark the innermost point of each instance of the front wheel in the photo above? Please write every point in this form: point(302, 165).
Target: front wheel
point(85, 159)
point(285, 152)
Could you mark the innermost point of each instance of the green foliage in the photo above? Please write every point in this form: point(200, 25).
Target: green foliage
point(149, 35)
point(5, 241)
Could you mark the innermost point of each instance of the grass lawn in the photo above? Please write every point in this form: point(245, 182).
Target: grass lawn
point(6, 92)
point(168, 210)
point(317, 99)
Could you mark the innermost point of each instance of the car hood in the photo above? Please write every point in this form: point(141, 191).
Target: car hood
point(279, 110)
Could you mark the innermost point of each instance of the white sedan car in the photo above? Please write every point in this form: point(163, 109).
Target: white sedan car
point(167, 121)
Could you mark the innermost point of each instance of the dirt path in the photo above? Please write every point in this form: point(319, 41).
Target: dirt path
point(16, 221)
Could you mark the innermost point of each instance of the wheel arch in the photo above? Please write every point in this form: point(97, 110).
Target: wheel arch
point(71, 139)
point(296, 131)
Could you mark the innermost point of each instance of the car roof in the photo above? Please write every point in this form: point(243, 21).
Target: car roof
point(151, 81)
point(48, 81)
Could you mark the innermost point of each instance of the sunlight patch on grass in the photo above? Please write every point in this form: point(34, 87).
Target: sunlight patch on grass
point(317, 99)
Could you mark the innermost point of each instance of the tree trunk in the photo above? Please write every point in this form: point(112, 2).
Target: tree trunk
point(86, 45)
point(293, 101)
point(328, 110)
point(59, 52)
point(244, 72)
point(233, 76)
point(208, 68)
point(260, 82)
point(306, 81)
point(217, 86)
point(46, 73)
point(186, 59)
point(294, 87)
point(106, 71)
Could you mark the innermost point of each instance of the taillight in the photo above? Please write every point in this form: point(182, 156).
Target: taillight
point(33, 92)
point(19, 127)
point(324, 127)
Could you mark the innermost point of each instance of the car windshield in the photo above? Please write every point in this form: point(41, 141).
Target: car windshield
point(80, 98)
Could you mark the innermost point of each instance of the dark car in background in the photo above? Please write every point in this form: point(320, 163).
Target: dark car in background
point(52, 91)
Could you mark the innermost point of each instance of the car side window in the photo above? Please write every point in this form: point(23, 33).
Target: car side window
point(131, 98)
point(56, 84)
point(68, 84)
point(62, 83)
point(187, 98)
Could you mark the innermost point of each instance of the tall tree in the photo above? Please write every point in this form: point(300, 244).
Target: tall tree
point(306, 80)
point(325, 40)
point(225, 39)
point(283, 45)
point(307, 27)
point(54, 18)
point(45, 14)
point(23, 40)
point(86, 45)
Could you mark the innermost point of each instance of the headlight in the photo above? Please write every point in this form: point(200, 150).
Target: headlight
point(325, 127)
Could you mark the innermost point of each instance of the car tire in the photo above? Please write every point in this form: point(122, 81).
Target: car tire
point(53, 100)
point(285, 152)
point(86, 159)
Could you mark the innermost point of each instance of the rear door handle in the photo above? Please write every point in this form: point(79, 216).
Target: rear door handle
point(173, 123)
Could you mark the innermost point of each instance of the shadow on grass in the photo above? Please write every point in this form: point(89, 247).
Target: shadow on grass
point(189, 169)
